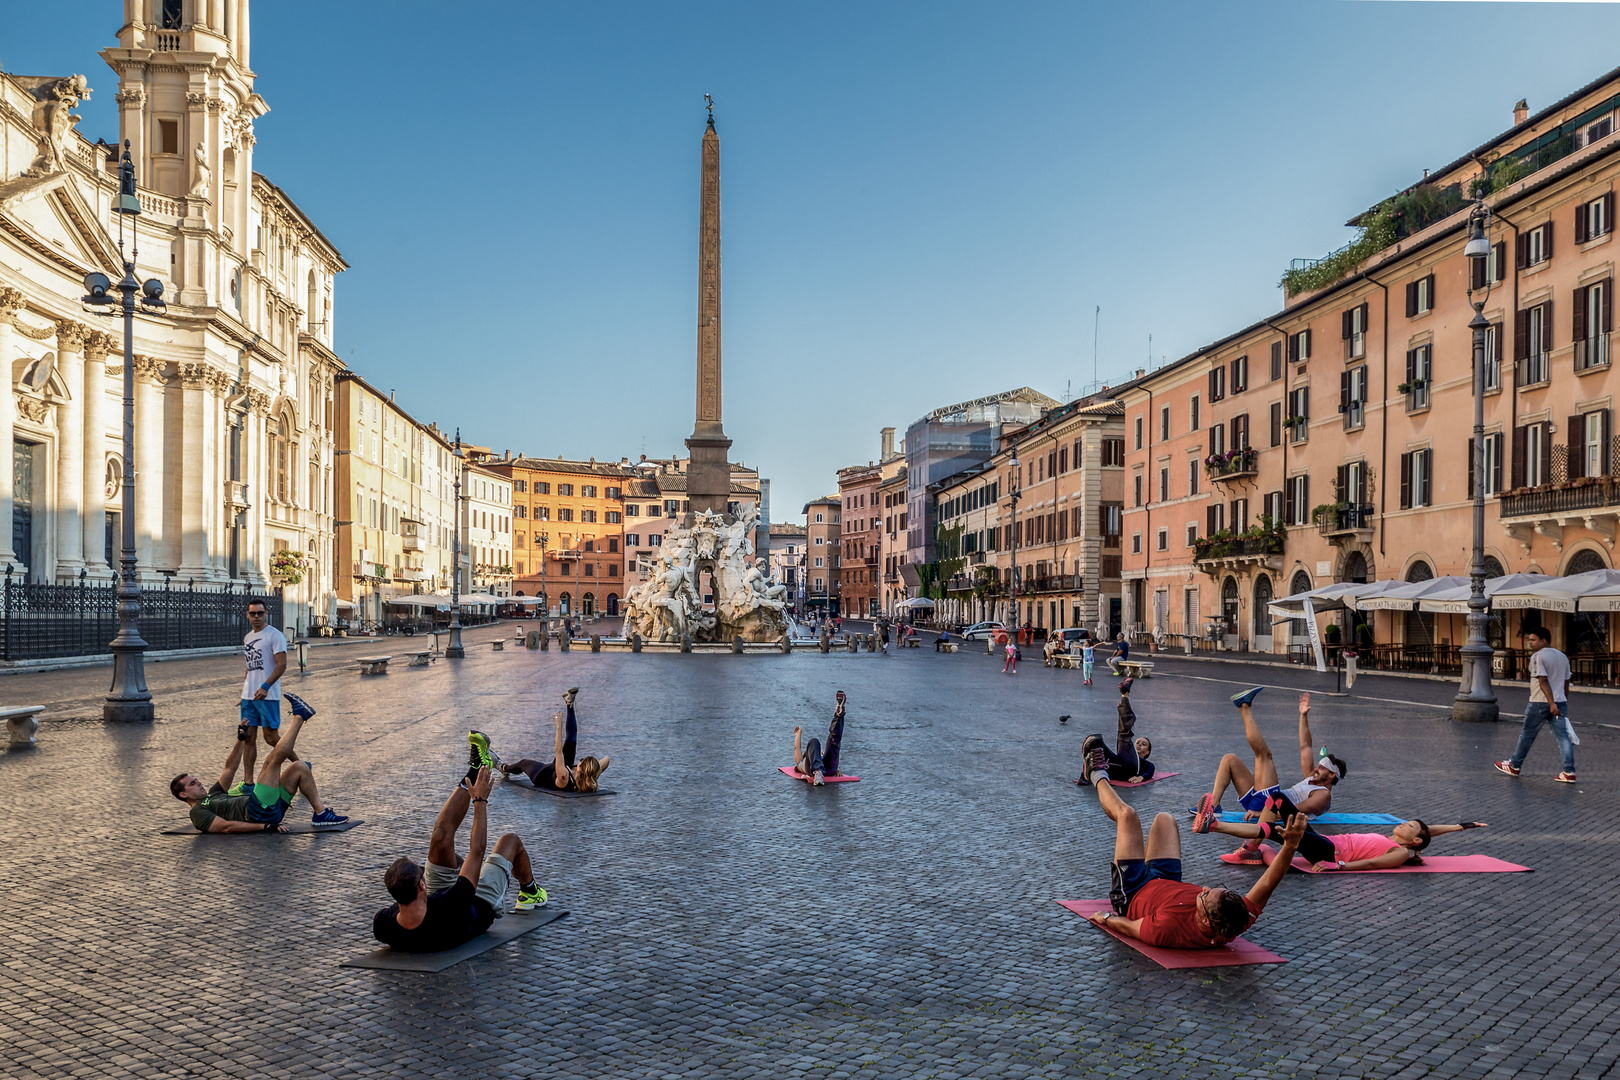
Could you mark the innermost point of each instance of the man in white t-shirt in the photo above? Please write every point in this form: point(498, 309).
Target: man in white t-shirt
point(265, 650)
point(1549, 704)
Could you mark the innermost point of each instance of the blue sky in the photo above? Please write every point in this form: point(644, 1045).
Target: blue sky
point(921, 203)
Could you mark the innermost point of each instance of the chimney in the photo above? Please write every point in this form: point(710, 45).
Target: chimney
point(1521, 112)
point(888, 444)
point(1141, 372)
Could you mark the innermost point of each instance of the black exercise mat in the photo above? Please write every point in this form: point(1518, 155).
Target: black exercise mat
point(572, 794)
point(292, 827)
point(513, 925)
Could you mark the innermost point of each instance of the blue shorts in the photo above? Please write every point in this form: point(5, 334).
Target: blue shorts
point(265, 714)
point(1131, 874)
point(1256, 800)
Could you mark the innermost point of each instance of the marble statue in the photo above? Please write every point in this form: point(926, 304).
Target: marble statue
point(199, 159)
point(747, 602)
point(54, 118)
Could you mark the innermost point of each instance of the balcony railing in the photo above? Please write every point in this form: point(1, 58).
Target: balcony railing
point(1232, 466)
point(1552, 499)
point(1592, 352)
point(1532, 370)
point(1247, 547)
point(1337, 520)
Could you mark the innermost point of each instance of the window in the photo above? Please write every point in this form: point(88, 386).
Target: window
point(615, 493)
point(672, 507)
point(1193, 423)
point(632, 510)
point(1273, 505)
point(1419, 364)
point(632, 540)
point(1493, 464)
point(565, 489)
point(1192, 476)
point(520, 485)
point(1532, 341)
point(542, 513)
point(1217, 439)
point(1113, 453)
point(1192, 535)
point(587, 515)
point(1353, 396)
point(1162, 541)
point(1276, 360)
point(819, 541)
point(169, 136)
point(655, 540)
point(587, 491)
point(1299, 348)
point(1113, 523)
point(1534, 247)
point(1355, 332)
point(1276, 423)
point(1299, 404)
point(1594, 219)
point(818, 521)
point(1164, 484)
point(613, 545)
point(1600, 130)
point(1417, 475)
point(1214, 519)
point(1419, 297)
point(1240, 374)
point(1297, 500)
point(1217, 383)
point(1493, 357)
point(1589, 444)
point(541, 487)
point(1138, 433)
point(1591, 330)
point(520, 512)
point(1136, 543)
point(819, 561)
point(1489, 270)
point(1164, 424)
point(1240, 431)
point(1136, 488)
point(614, 517)
point(565, 513)
point(652, 511)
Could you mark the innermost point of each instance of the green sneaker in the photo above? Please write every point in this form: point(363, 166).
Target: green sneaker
point(530, 897)
point(479, 755)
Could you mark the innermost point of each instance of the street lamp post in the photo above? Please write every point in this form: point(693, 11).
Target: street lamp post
point(545, 599)
point(455, 651)
point(1013, 491)
point(129, 699)
point(1476, 701)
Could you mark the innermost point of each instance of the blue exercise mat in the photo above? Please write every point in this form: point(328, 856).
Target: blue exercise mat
point(1329, 818)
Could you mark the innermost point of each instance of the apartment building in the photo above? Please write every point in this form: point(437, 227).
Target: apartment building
point(487, 532)
point(893, 494)
point(787, 555)
point(823, 529)
point(567, 531)
point(861, 538)
point(1334, 437)
point(968, 509)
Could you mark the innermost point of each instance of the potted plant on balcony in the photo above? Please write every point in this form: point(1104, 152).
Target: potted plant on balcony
point(287, 567)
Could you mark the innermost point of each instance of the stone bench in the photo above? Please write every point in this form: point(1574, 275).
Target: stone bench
point(23, 722)
point(421, 659)
point(498, 644)
point(947, 646)
point(1141, 669)
point(373, 665)
point(910, 643)
point(1064, 660)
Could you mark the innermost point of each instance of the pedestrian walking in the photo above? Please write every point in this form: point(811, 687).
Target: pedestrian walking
point(1549, 705)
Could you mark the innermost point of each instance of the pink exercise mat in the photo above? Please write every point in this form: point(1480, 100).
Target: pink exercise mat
point(1135, 783)
point(1432, 864)
point(1234, 953)
point(843, 778)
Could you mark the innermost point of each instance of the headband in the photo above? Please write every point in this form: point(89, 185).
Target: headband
point(1327, 763)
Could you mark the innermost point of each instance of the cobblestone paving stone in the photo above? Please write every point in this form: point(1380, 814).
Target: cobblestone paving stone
point(728, 921)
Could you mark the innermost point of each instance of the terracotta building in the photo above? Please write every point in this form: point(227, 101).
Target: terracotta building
point(567, 531)
point(861, 538)
point(823, 530)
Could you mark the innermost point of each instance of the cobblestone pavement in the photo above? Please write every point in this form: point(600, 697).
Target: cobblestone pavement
point(728, 920)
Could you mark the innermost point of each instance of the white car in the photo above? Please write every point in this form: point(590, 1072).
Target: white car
point(983, 630)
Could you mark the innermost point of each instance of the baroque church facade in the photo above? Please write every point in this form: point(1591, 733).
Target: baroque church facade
point(235, 438)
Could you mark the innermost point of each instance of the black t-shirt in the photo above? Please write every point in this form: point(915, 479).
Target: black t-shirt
point(454, 915)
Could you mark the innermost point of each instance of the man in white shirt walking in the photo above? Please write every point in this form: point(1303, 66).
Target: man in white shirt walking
point(1549, 704)
point(265, 650)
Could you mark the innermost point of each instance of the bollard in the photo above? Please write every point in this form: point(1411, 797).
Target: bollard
point(635, 642)
point(596, 643)
point(563, 640)
point(826, 643)
point(686, 643)
point(737, 644)
point(786, 644)
point(531, 640)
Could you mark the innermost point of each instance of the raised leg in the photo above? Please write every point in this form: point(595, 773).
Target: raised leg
point(442, 845)
point(1128, 827)
point(281, 752)
point(570, 738)
point(510, 848)
point(1265, 769)
point(297, 778)
point(1164, 838)
point(1231, 772)
point(835, 738)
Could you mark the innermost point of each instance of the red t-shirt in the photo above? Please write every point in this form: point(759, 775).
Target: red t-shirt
point(1169, 914)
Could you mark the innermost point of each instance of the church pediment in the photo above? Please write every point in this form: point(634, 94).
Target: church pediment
point(54, 218)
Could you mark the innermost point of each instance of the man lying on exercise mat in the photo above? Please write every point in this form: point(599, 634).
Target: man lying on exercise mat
point(1128, 762)
point(1341, 851)
point(814, 761)
point(1151, 902)
point(258, 807)
point(1311, 796)
point(440, 907)
point(560, 773)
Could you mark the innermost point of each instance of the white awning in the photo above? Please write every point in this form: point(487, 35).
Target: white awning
point(1327, 598)
point(342, 605)
point(1453, 600)
point(1404, 595)
point(915, 602)
point(1561, 594)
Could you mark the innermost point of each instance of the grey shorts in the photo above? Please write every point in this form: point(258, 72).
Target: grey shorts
point(494, 878)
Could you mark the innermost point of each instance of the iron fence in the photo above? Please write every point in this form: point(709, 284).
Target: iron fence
point(44, 621)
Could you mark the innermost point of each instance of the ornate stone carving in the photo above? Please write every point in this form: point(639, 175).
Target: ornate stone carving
point(151, 371)
point(54, 118)
point(259, 402)
point(220, 382)
point(115, 370)
point(10, 300)
point(199, 167)
point(32, 408)
point(196, 101)
point(748, 604)
point(214, 104)
point(71, 336)
point(38, 333)
point(134, 97)
point(98, 344)
point(195, 376)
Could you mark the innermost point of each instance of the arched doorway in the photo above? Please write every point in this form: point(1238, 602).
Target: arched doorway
point(1586, 631)
point(1419, 624)
point(1296, 627)
point(612, 603)
point(587, 604)
point(565, 604)
point(1260, 632)
point(1355, 569)
point(1229, 610)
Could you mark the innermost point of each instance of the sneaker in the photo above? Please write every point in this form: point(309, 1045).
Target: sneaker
point(1565, 778)
point(1248, 855)
point(1097, 764)
point(1205, 814)
point(817, 778)
point(530, 897)
point(327, 817)
point(1505, 767)
point(1247, 697)
point(300, 708)
point(568, 696)
point(478, 755)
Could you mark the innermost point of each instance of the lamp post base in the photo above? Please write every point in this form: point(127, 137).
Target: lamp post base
point(129, 701)
point(1475, 702)
point(454, 651)
point(1475, 712)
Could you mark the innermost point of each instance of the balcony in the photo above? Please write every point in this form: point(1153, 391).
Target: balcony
point(1233, 465)
point(1343, 522)
point(1592, 502)
point(1234, 552)
point(413, 543)
point(1592, 353)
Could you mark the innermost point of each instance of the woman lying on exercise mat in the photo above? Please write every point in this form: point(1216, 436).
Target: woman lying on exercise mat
point(560, 773)
point(1340, 851)
point(813, 761)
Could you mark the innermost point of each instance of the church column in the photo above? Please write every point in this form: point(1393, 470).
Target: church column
point(149, 383)
point(193, 436)
point(252, 563)
point(11, 300)
point(94, 464)
point(219, 542)
point(70, 489)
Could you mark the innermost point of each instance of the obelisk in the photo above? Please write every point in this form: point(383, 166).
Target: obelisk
point(708, 481)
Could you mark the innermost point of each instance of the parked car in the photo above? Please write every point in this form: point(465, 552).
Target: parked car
point(983, 630)
point(1072, 636)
